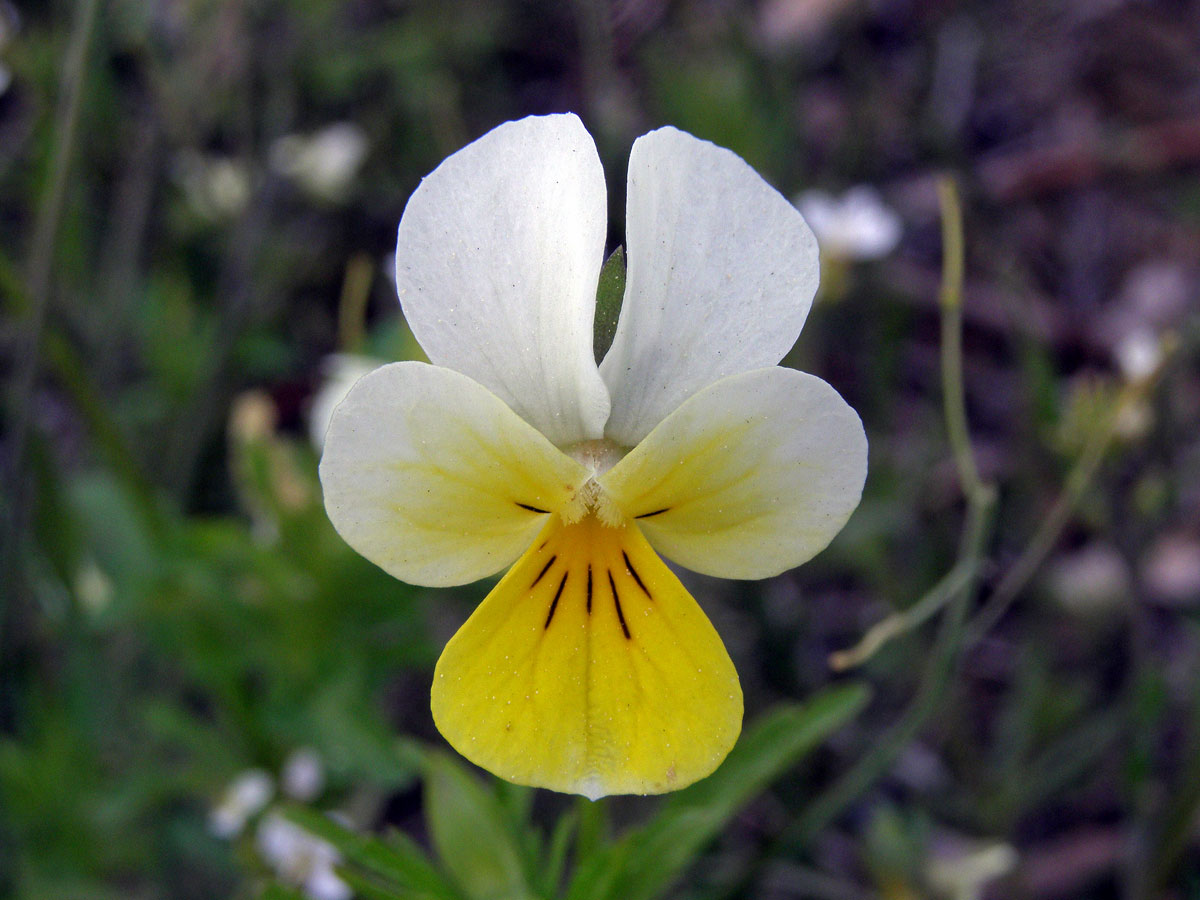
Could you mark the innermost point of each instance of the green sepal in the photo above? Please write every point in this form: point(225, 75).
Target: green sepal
point(610, 291)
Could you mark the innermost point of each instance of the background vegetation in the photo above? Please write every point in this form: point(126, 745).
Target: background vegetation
point(178, 259)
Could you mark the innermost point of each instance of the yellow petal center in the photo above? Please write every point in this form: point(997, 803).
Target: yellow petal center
point(589, 668)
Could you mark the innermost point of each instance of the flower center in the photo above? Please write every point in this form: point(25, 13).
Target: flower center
point(591, 499)
point(599, 456)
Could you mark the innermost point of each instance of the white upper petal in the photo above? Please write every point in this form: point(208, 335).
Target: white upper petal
point(751, 476)
point(497, 260)
point(722, 272)
point(435, 480)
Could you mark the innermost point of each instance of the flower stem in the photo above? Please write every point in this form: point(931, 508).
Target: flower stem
point(898, 623)
point(352, 305)
point(980, 497)
point(958, 586)
point(953, 403)
point(884, 752)
point(38, 282)
point(1077, 482)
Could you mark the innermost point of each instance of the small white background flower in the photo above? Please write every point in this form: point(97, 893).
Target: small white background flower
point(323, 163)
point(243, 799)
point(589, 668)
point(216, 187)
point(855, 226)
point(301, 858)
point(1139, 354)
point(303, 775)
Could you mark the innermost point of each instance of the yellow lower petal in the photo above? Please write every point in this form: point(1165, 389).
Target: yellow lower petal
point(589, 669)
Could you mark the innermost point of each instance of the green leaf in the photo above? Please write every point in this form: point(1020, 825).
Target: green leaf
point(365, 888)
point(470, 833)
point(660, 851)
point(516, 803)
point(279, 892)
point(395, 859)
point(599, 873)
point(609, 293)
point(405, 857)
point(598, 859)
point(556, 852)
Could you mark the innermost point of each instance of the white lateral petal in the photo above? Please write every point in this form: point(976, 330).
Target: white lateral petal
point(722, 272)
point(751, 476)
point(497, 260)
point(425, 472)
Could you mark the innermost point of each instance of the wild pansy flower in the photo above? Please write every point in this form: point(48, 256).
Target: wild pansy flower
point(589, 668)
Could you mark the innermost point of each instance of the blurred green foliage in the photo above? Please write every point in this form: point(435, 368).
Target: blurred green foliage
point(489, 850)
